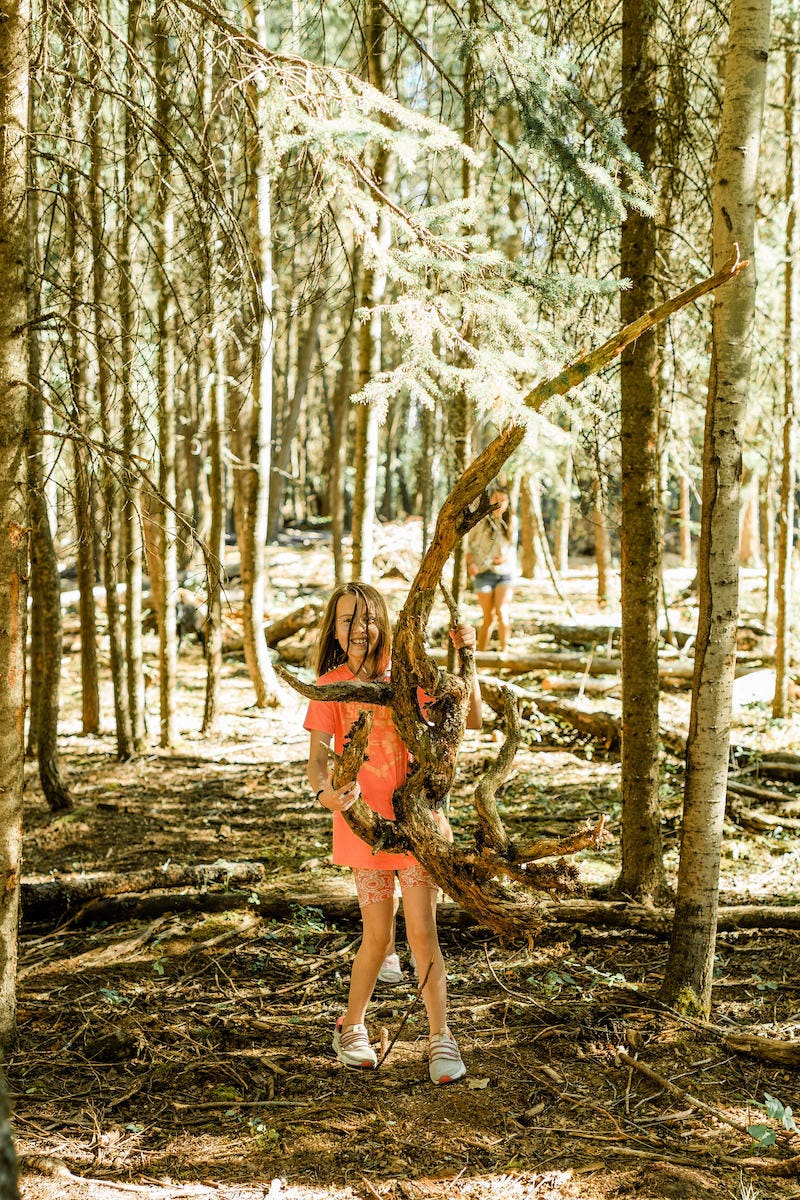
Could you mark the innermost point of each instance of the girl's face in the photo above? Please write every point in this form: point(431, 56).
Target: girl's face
point(357, 633)
point(500, 502)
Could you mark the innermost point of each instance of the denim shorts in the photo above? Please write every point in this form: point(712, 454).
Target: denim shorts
point(487, 581)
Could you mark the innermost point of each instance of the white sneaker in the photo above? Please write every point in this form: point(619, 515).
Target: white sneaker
point(446, 1064)
point(351, 1046)
point(391, 971)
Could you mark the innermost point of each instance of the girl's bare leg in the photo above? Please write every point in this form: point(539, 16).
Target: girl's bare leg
point(419, 909)
point(502, 603)
point(486, 601)
point(378, 921)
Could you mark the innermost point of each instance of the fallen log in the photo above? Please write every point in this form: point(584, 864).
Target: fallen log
point(758, 822)
point(784, 1054)
point(52, 897)
point(588, 664)
point(602, 726)
point(305, 617)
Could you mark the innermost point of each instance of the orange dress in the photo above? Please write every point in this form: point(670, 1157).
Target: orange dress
point(385, 769)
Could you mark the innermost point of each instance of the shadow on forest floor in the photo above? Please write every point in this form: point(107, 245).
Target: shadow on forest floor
point(188, 1053)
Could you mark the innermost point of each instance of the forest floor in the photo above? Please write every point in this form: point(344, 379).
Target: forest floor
point(187, 1052)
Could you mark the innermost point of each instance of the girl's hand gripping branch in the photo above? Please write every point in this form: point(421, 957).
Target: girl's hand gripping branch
point(464, 637)
point(320, 778)
point(338, 799)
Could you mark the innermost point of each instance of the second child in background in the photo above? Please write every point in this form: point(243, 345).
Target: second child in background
point(492, 567)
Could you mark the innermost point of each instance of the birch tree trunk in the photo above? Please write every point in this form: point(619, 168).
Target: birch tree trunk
point(13, 508)
point(642, 868)
point(341, 398)
point(791, 332)
point(168, 533)
point(111, 495)
point(252, 478)
point(369, 334)
point(688, 973)
point(132, 517)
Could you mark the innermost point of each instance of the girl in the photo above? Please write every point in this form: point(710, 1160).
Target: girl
point(354, 644)
point(492, 566)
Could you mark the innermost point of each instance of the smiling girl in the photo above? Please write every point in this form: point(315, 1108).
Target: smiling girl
point(355, 645)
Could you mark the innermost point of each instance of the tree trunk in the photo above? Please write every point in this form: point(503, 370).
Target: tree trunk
point(791, 332)
point(288, 426)
point(527, 528)
point(370, 330)
point(642, 868)
point(45, 582)
point(132, 516)
point(564, 516)
point(427, 419)
point(167, 517)
point(685, 519)
point(111, 497)
point(76, 366)
point(216, 546)
point(602, 547)
point(341, 408)
point(749, 527)
point(13, 508)
point(688, 973)
point(252, 479)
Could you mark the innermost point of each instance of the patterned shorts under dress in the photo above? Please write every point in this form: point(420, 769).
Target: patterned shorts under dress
point(374, 886)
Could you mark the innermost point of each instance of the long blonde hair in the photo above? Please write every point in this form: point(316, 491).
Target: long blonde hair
point(329, 653)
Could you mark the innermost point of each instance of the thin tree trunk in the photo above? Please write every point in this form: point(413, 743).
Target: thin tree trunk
point(460, 413)
point(252, 492)
point(749, 527)
point(13, 508)
point(111, 538)
point(564, 516)
point(688, 973)
point(165, 233)
point(427, 418)
point(305, 356)
point(132, 517)
point(216, 544)
point(791, 332)
point(84, 515)
point(642, 867)
point(602, 548)
point(215, 406)
point(369, 334)
point(341, 398)
point(527, 528)
point(768, 541)
point(684, 519)
point(46, 641)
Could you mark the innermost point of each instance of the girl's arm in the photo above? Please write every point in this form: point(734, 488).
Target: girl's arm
point(319, 776)
point(464, 636)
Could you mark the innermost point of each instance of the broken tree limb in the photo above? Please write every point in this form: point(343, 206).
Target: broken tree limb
point(434, 742)
point(490, 830)
point(364, 823)
point(375, 692)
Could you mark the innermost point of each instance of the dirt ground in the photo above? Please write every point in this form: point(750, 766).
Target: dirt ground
point(186, 1052)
